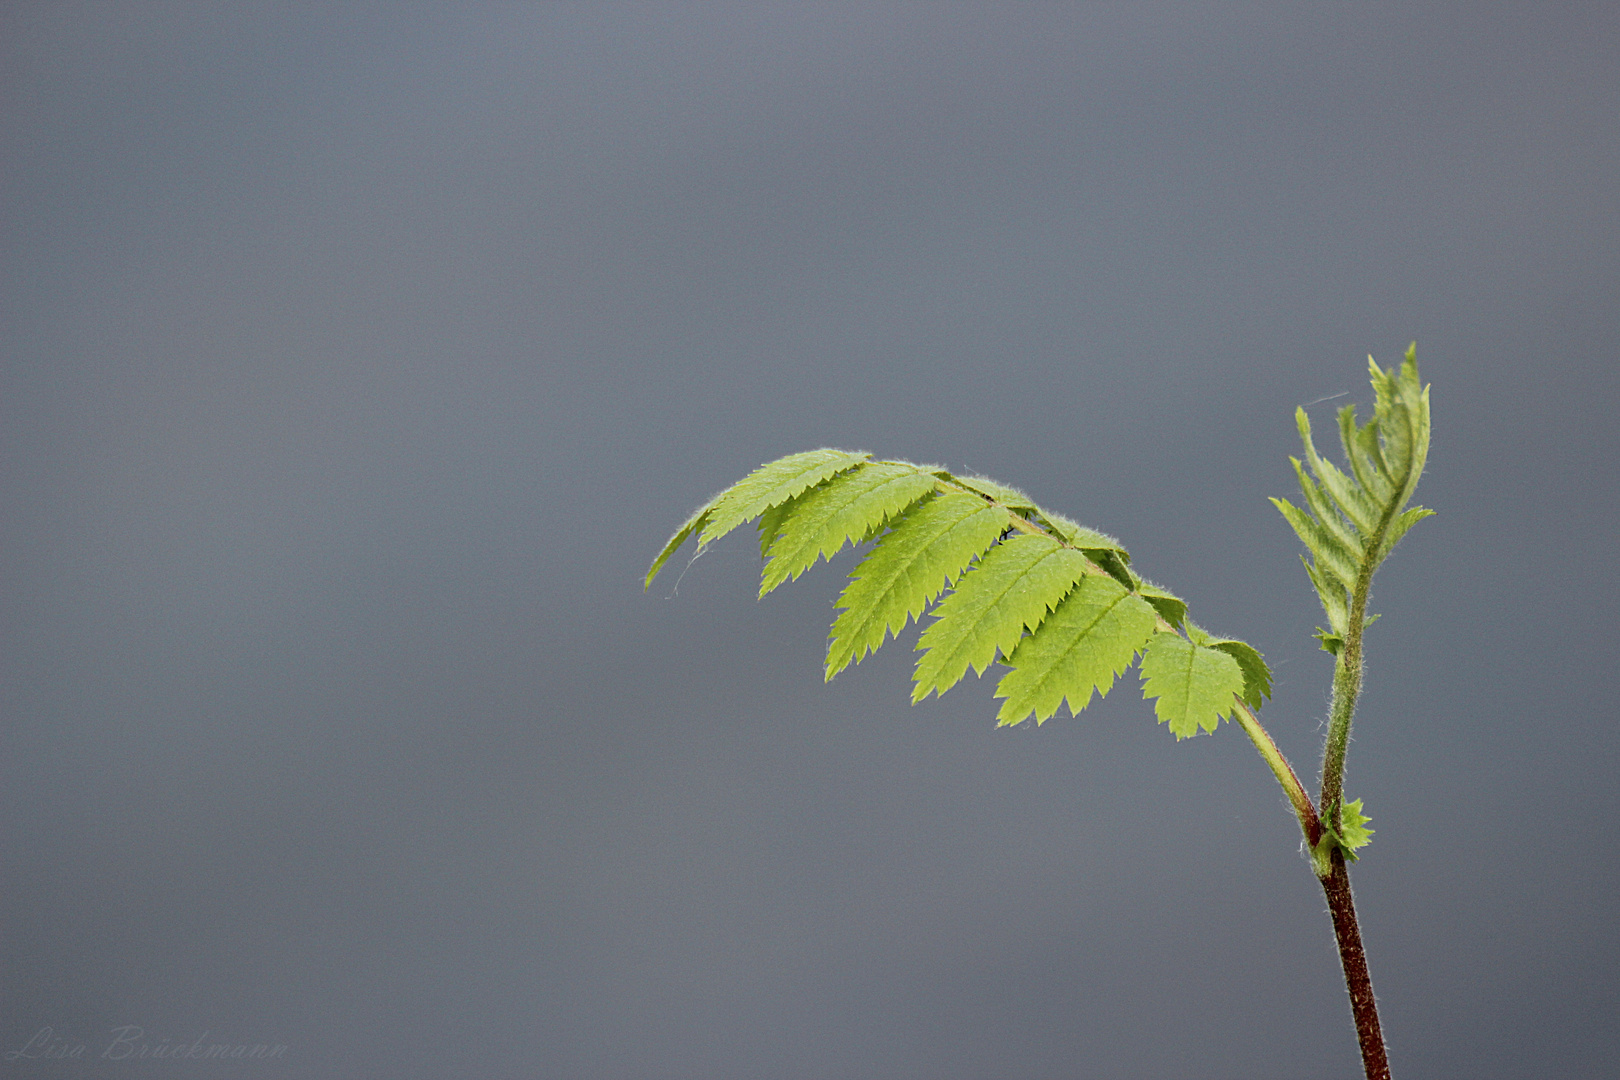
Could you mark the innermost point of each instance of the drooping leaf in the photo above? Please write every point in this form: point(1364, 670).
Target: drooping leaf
point(842, 509)
point(770, 524)
point(1010, 590)
point(773, 483)
point(1092, 637)
point(1195, 685)
point(926, 551)
point(690, 525)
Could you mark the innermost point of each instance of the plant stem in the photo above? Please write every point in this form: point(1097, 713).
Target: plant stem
point(1346, 688)
point(1363, 1006)
point(1341, 905)
point(1263, 742)
point(1347, 673)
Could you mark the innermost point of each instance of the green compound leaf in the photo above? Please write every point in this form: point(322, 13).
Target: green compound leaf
point(845, 508)
point(1092, 637)
point(771, 484)
point(1005, 579)
point(1350, 499)
point(1010, 590)
point(1195, 685)
point(1327, 514)
point(927, 550)
point(1077, 535)
point(1109, 555)
point(770, 525)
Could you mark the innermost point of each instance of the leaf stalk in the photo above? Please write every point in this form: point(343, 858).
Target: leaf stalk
point(1309, 824)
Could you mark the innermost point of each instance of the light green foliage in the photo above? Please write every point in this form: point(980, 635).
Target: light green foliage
point(1092, 542)
point(1005, 580)
point(771, 485)
point(925, 552)
point(1010, 591)
point(999, 493)
point(1195, 685)
point(1348, 836)
point(1092, 637)
point(689, 526)
point(1351, 521)
point(1353, 827)
point(1059, 605)
point(1256, 676)
point(828, 516)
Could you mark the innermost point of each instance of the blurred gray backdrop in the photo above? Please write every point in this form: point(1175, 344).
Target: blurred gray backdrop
point(357, 359)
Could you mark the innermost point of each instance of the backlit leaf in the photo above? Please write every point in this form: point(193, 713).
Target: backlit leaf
point(926, 551)
point(1091, 638)
point(773, 483)
point(1195, 685)
point(1010, 590)
point(690, 525)
point(844, 508)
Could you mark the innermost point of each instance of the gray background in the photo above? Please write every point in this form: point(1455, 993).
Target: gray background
point(357, 360)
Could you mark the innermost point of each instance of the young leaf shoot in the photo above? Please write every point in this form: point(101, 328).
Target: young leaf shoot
point(1059, 607)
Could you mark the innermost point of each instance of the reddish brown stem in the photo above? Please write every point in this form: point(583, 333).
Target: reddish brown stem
point(1363, 1007)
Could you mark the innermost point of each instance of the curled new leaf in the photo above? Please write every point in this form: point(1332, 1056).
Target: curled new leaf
point(1352, 520)
point(1348, 836)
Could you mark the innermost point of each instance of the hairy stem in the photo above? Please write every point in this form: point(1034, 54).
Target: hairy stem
point(1284, 773)
point(1357, 980)
point(1347, 670)
point(1341, 905)
point(1347, 673)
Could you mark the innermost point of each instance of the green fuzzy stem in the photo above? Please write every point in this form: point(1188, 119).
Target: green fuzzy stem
point(1347, 672)
point(1273, 757)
